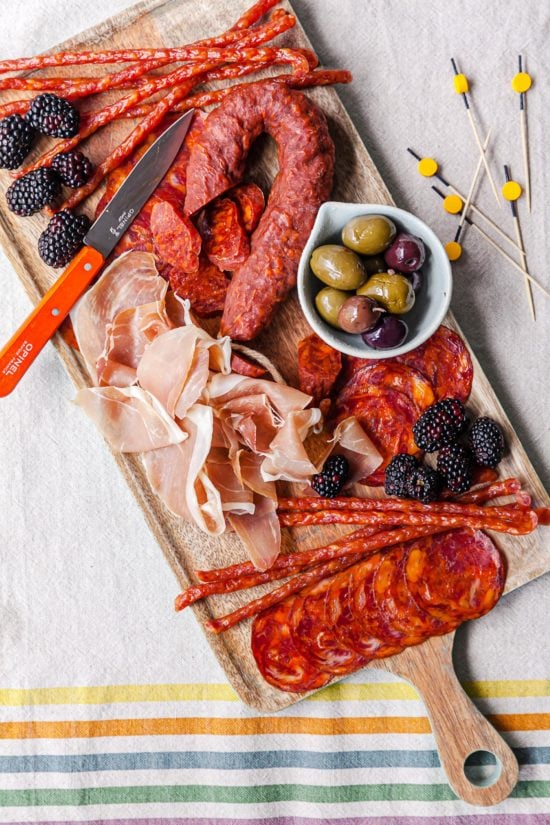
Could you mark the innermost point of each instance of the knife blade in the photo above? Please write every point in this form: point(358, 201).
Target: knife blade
point(102, 237)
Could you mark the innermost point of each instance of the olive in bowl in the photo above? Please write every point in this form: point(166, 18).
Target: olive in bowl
point(338, 266)
point(417, 324)
point(369, 234)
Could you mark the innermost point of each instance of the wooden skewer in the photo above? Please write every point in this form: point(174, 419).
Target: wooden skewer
point(500, 250)
point(468, 201)
point(462, 87)
point(528, 289)
point(525, 150)
point(517, 228)
point(483, 156)
point(473, 207)
point(509, 258)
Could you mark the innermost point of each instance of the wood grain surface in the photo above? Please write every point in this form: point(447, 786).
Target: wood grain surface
point(169, 23)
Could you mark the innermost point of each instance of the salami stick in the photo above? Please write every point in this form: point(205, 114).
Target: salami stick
point(315, 504)
point(253, 14)
point(517, 522)
point(350, 543)
point(323, 77)
point(326, 568)
point(175, 55)
point(185, 77)
point(200, 591)
point(74, 88)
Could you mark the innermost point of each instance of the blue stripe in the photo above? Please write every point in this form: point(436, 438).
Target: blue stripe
point(210, 760)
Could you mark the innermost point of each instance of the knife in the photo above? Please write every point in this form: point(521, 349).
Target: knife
point(46, 318)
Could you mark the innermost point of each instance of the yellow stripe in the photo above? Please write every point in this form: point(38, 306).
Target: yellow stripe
point(198, 726)
point(339, 692)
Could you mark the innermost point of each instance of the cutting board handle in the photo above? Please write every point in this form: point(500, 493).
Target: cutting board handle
point(458, 726)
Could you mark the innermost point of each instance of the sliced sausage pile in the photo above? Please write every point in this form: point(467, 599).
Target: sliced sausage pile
point(389, 395)
point(392, 600)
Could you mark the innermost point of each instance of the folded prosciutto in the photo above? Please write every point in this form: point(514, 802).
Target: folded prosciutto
point(213, 442)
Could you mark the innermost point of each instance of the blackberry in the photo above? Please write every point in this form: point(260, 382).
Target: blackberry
point(398, 474)
point(487, 442)
point(330, 481)
point(33, 191)
point(425, 484)
point(454, 462)
point(53, 115)
point(73, 168)
point(16, 138)
point(441, 424)
point(62, 238)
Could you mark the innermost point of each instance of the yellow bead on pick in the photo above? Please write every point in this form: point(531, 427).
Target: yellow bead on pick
point(521, 82)
point(453, 250)
point(453, 204)
point(511, 190)
point(461, 84)
point(427, 167)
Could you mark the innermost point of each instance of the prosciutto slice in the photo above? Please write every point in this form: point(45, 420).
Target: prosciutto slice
point(260, 533)
point(130, 281)
point(177, 474)
point(130, 418)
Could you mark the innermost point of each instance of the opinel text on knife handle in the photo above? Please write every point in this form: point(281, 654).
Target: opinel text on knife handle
point(46, 318)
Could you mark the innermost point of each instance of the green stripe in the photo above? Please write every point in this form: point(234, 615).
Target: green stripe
point(255, 794)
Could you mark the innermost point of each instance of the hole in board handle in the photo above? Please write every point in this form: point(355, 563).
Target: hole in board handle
point(55, 311)
point(482, 768)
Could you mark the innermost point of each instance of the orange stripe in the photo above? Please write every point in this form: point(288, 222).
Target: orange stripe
point(242, 727)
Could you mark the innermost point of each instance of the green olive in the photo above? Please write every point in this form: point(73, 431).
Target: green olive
point(369, 234)
point(329, 303)
point(374, 265)
point(392, 290)
point(338, 266)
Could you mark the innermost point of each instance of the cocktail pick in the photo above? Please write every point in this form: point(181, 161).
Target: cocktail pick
point(511, 191)
point(499, 249)
point(462, 87)
point(428, 167)
point(521, 83)
point(469, 196)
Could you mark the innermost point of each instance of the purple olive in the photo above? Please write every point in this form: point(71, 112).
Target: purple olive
point(389, 332)
point(417, 279)
point(406, 254)
point(359, 314)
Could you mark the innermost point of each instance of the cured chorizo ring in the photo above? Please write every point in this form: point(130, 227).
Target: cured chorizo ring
point(304, 181)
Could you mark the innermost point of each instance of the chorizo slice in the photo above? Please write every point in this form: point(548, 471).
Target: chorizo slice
point(318, 367)
point(393, 600)
point(455, 576)
point(314, 635)
point(346, 617)
point(205, 289)
point(304, 181)
point(251, 202)
point(278, 660)
point(445, 361)
point(244, 366)
point(226, 243)
point(387, 400)
point(176, 240)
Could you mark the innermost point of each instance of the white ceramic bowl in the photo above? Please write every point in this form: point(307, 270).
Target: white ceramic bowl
point(432, 302)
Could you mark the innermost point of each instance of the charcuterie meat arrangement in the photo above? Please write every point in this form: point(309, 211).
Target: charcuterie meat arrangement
point(386, 445)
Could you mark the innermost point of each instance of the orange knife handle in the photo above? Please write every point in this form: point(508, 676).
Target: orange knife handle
point(46, 318)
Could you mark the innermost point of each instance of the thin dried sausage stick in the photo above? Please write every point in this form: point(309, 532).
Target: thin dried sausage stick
point(520, 523)
point(174, 55)
point(315, 504)
point(200, 591)
point(246, 568)
point(296, 584)
point(357, 542)
point(507, 486)
point(253, 14)
point(323, 77)
point(185, 77)
point(76, 87)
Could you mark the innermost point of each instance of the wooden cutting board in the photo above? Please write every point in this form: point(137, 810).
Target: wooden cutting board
point(458, 726)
